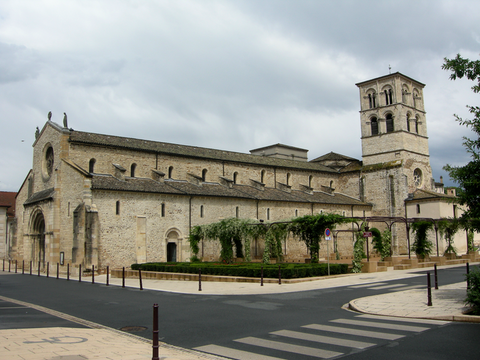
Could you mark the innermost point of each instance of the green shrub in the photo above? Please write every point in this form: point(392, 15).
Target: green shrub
point(288, 271)
point(473, 292)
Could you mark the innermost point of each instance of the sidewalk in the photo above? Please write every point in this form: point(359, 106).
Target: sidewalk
point(100, 342)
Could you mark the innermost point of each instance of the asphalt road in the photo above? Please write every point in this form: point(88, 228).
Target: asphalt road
point(250, 323)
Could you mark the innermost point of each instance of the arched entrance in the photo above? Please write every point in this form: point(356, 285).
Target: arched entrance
point(173, 242)
point(38, 238)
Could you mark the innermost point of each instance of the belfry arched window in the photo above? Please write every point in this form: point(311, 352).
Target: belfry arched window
point(91, 166)
point(374, 125)
point(408, 123)
point(390, 126)
point(388, 97)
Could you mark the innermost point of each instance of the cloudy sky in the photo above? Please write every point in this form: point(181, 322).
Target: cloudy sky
point(232, 75)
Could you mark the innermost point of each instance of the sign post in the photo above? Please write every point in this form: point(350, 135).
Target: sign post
point(328, 237)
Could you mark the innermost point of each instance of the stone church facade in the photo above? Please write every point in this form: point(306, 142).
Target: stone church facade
point(105, 200)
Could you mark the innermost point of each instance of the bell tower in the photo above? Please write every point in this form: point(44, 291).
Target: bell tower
point(394, 128)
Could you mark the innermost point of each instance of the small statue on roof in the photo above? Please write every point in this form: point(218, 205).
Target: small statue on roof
point(49, 116)
point(65, 124)
point(37, 133)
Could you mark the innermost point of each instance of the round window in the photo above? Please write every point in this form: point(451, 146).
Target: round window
point(417, 177)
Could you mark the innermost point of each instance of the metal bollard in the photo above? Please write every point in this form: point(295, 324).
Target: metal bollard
point(58, 269)
point(107, 274)
point(436, 277)
point(140, 278)
point(429, 290)
point(80, 273)
point(468, 273)
point(48, 269)
point(199, 279)
point(30, 267)
point(155, 333)
point(15, 266)
point(39, 268)
point(3, 264)
point(123, 277)
point(9, 265)
point(68, 271)
point(23, 267)
point(261, 276)
point(279, 276)
point(93, 274)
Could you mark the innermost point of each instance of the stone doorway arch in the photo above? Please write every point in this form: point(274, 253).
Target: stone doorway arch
point(37, 232)
point(173, 245)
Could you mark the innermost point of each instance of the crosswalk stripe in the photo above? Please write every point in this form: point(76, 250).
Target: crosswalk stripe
point(380, 325)
point(410, 320)
point(323, 339)
point(386, 287)
point(234, 353)
point(342, 330)
point(303, 350)
point(366, 285)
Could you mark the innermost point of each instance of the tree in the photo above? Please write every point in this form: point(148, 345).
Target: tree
point(468, 176)
point(422, 246)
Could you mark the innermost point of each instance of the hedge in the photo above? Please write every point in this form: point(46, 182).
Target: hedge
point(288, 271)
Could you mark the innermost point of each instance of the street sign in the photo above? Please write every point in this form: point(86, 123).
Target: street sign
point(367, 234)
point(328, 234)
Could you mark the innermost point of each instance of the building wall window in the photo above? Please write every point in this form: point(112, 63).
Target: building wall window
point(132, 170)
point(390, 124)
point(418, 208)
point(289, 176)
point(170, 172)
point(162, 211)
point(237, 212)
point(117, 208)
point(388, 97)
point(310, 181)
point(235, 177)
point(91, 166)
point(202, 213)
point(296, 212)
point(262, 176)
point(416, 124)
point(374, 125)
point(408, 123)
point(268, 213)
point(204, 175)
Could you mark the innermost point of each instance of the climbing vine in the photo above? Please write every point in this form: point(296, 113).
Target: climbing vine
point(422, 246)
point(448, 228)
point(358, 251)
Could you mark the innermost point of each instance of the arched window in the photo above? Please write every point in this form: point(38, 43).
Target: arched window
point(390, 126)
point(416, 124)
point(132, 170)
point(117, 208)
point(262, 176)
point(374, 125)
point(162, 213)
point(331, 184)
point(204, 175)
point(91, 166)
point(201, 211)
point(374, 100)
point(170, 172)
point(296, 212)
point(237, 212)
point(388, 97)
point(288, 178)
point(408, 122)
point(235, 177)
point(370, 101)
point(268, 213)
point(310, 181)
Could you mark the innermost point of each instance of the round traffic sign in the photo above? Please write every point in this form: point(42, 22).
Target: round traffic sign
point(327, 232)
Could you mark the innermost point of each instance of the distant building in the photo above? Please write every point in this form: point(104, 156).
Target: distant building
point(7, 221)
point(101, 200)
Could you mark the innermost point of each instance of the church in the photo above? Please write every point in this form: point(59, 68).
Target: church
point(103, 200)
